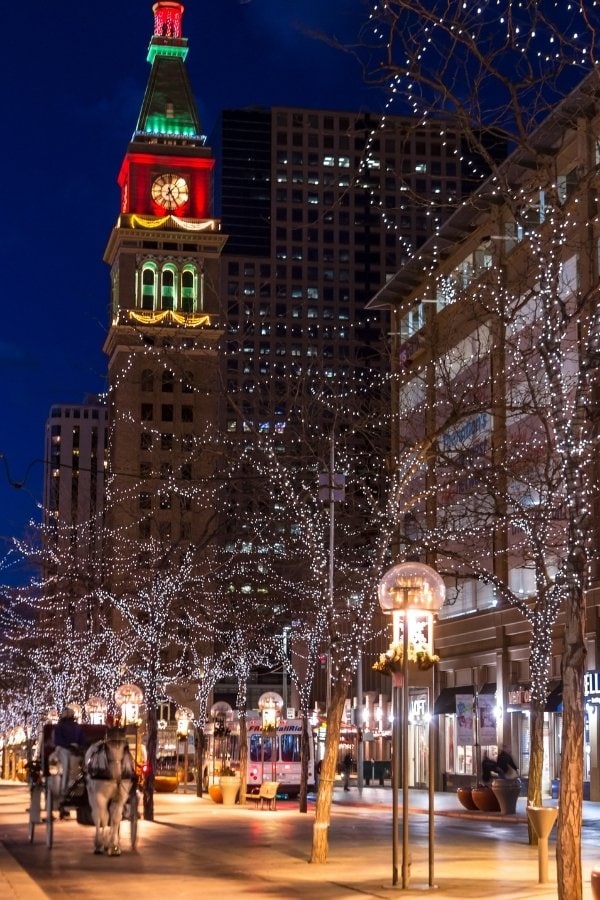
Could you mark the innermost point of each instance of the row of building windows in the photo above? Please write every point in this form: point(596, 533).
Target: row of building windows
point(167, 382)
point(283, 311)
point(163, 530)
point(167, 412)
point(165, 471)
point(164, 500)
point(169, 287)
point(166, 440)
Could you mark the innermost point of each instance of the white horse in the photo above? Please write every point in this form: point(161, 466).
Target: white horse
point(110, 773)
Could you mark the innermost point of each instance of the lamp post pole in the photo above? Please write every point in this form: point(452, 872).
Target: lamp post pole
point(412, 592)
point(405, 759)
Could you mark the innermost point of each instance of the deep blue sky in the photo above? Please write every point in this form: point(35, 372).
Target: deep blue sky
point(74, 74)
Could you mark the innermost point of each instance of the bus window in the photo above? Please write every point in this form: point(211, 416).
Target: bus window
point(256, 753)
point(290, 748)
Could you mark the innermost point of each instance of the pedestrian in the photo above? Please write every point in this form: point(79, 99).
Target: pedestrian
point(506, 763)
point(488, 769)
point(346, 771)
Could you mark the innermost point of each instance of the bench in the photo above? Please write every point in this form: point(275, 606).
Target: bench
point(268, 792)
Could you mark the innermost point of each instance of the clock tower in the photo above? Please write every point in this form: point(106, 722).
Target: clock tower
point(163, 255)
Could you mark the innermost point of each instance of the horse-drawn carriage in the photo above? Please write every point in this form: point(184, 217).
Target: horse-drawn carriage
point(100, 785)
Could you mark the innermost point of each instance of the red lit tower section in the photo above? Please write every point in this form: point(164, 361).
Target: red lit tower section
point(167, 169)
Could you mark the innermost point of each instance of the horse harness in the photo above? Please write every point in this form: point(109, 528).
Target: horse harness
point(98, 765)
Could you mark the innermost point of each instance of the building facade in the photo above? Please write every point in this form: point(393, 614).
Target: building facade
point(496, 361)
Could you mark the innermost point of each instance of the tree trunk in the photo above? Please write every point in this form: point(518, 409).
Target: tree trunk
point(151, 744)
point(536, 762)
point(320, 841)
point(243, 757)
point(568, 844)
point(304, 754)
point(199, 762)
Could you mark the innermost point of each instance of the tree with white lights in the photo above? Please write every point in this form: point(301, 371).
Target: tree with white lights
point(491, 74)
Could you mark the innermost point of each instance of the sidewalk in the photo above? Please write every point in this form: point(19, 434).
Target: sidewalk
point(195, 847)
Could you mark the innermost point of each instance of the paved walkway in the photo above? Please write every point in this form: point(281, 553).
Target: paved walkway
point(196, 848)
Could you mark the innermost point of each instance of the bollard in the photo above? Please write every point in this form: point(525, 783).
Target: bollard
point(542, 819)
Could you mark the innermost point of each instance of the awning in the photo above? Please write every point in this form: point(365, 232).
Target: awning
point(554, 700)
point(446, 702)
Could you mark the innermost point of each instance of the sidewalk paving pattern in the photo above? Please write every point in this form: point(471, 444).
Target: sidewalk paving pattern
point(195, 848)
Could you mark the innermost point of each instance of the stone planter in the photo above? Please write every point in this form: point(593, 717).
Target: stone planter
point(465, 798)
point(506, 791)
point(484, 799)
point(230, 785)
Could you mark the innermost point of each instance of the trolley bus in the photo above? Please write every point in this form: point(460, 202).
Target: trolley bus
point(272, 755)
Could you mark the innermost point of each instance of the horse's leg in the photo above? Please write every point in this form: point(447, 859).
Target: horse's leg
point(116, 815)
point(94, 798)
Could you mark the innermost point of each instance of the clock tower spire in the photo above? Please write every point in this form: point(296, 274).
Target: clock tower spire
point(163, 255)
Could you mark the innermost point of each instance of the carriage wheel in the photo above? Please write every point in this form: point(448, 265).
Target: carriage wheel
point(133, 817)
point(49, 817)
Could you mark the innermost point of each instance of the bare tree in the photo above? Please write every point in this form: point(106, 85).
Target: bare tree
point(491, 74)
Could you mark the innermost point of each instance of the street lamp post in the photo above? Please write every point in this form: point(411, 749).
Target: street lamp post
point(412, 593)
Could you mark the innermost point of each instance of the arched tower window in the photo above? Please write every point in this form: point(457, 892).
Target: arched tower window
point(149, 278)
point(147, 380)
point(188, 289)
point(168, 292)
point(168, 382)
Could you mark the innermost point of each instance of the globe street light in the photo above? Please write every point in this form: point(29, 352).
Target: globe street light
point(412, 593)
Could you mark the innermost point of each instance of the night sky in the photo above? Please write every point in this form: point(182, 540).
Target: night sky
point(74, 74)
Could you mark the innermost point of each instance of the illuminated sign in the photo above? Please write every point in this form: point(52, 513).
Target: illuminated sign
point(591, 688)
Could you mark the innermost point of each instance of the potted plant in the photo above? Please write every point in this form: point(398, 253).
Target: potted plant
point(229, 782)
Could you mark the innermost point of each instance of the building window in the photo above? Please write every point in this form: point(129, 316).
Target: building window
point(145, 500)
point(168, 298)
point(187, 385)
point(149, 278)
point(187, 413)
point(168, 382)
point(146, 440)
point(189, 291)
point(186, 472)
point(165, 500)
point(147, 380)
point(147, 412)
point(166, 441)
point(167, 412)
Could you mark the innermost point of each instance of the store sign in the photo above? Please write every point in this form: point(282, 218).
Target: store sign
point(519, 697)
point(591, 688)
point(419, 707)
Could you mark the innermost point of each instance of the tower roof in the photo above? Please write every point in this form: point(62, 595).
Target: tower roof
point(168, 108)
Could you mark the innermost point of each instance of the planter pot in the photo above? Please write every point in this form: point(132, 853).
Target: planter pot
point(214, 792)
point(506, 791)
point(484, 799)
point(465, 797)
point(230, 785)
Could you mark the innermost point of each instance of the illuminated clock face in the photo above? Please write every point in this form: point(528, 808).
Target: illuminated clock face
point(170, 191)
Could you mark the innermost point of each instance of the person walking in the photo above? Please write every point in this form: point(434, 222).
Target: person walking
point(506, 763)
point(346, 771)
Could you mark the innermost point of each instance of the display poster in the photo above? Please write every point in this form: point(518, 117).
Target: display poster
point(486, 709)
point(464, 719)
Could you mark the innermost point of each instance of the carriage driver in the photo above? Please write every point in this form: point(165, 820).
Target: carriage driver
point(67, 737)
